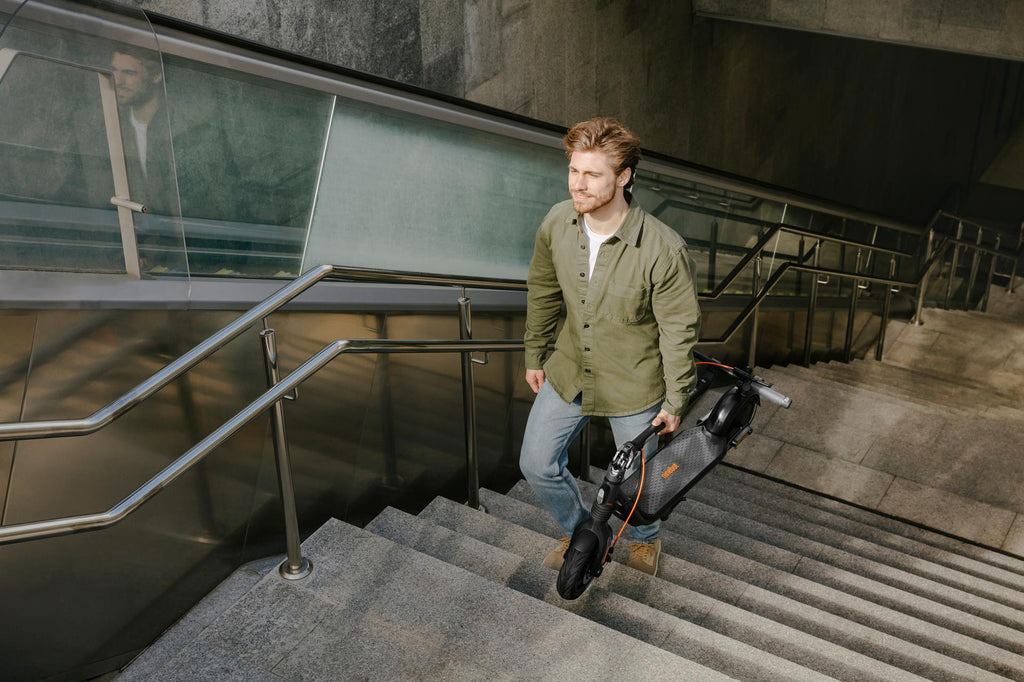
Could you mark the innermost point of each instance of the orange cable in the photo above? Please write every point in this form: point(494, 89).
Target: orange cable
point(640, 489)
point(716, 364)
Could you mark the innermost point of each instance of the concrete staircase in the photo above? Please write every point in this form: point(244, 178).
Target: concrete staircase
point(758, 581)
point(933, 434)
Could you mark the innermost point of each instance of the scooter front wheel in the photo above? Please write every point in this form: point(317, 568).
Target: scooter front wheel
point(581, 565)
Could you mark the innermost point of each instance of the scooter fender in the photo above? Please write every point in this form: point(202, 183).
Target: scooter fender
point(593, 538)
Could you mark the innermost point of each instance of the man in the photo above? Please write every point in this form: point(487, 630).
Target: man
point(626, 348)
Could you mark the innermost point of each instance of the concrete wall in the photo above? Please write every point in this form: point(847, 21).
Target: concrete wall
point(887, 128)
point(992, 28)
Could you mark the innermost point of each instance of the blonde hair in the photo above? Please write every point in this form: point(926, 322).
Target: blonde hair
point(609, 136)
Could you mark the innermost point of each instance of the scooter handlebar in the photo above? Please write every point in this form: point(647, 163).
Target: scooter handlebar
point(771, 395)
point(641, 438)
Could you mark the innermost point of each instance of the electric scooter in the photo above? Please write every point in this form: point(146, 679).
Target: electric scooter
point(656, 486)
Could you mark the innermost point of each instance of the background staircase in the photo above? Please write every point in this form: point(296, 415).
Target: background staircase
point(934, 433)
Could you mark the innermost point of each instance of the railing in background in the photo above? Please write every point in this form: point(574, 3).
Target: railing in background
point(890, 256)
point(958, 249)
point(295, 566)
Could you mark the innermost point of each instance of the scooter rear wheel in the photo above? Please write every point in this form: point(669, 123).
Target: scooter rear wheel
point(582, 564)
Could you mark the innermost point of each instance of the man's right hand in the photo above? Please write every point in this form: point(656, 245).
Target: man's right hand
point(535, 377)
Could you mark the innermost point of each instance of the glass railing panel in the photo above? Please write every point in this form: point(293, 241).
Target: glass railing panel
point(400, 191)
point(659, 191)
point(74, 75)
point(247, 151)
point(720, 227)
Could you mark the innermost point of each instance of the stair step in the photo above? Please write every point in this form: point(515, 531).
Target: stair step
point(722, 617)
point(928, 389)
point(834, 590)
point(839, 530)
point(374, 609)
point(780, 530)
point(870, 518)
point(770, 551)
point(933, 660)
point(602, 605)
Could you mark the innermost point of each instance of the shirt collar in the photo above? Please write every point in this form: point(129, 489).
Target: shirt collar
point(629, 230)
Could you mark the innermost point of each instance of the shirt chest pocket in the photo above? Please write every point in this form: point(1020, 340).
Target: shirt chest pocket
point(625, 304)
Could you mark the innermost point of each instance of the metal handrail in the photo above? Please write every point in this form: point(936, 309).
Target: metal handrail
point(76, 524)
point(783, 269)
point(99, 419)
point(121, 405)
point(762, 242)
point(127, 401)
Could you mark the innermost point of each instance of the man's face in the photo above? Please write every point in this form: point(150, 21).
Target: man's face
point(592, 180)
point(134, 83)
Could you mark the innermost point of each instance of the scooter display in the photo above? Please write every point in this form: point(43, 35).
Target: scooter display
point(653, 489)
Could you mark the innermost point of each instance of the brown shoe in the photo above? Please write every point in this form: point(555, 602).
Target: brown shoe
point(556, 557)
point(644, 556)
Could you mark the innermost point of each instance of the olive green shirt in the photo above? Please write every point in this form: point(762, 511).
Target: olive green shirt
point(629, 332)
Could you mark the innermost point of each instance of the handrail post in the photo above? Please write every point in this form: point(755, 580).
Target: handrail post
point(799, 259)
point(1016, 260)
point(812, 307)
point(975, 264)
point(295, 566)
point(386, 406)
point(991, 273)
point(469, 406)
point(924, 277)
point(852, 313)
point(886, 303)
point(953, 264)
point(752, 352)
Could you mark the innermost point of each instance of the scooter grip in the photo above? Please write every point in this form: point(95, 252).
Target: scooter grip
point(641, 438)
point(773, 396)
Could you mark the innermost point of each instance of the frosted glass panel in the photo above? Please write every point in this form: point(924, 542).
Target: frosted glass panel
point(401, 192)
point(247, 152)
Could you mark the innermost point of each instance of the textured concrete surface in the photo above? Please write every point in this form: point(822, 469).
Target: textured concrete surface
point(372, 609)
point(733, 544)
point(758, 580)
point(931, 434)
point(985, 27)
point(800, 110)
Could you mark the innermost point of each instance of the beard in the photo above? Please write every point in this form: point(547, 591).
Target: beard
point(133, 97)
point(592, 202)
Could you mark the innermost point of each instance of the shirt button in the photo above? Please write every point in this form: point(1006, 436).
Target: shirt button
point(583, 300)
point(583, 274)
point(587, 371)
point(586, 348)
point(583, 247)
point(586, 326)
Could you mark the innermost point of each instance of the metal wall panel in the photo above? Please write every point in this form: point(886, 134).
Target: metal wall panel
point(82, 601)
point(368, 431)
point(15, 356)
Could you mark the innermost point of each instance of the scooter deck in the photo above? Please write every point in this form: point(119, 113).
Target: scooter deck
point(671, 472)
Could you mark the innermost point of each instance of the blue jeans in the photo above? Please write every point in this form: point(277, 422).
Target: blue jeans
point(544, 459)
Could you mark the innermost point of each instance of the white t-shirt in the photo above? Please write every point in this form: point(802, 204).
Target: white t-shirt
point(140, 140)
point(595, 244)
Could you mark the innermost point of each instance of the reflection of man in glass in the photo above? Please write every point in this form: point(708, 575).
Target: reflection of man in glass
point(138, 80)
